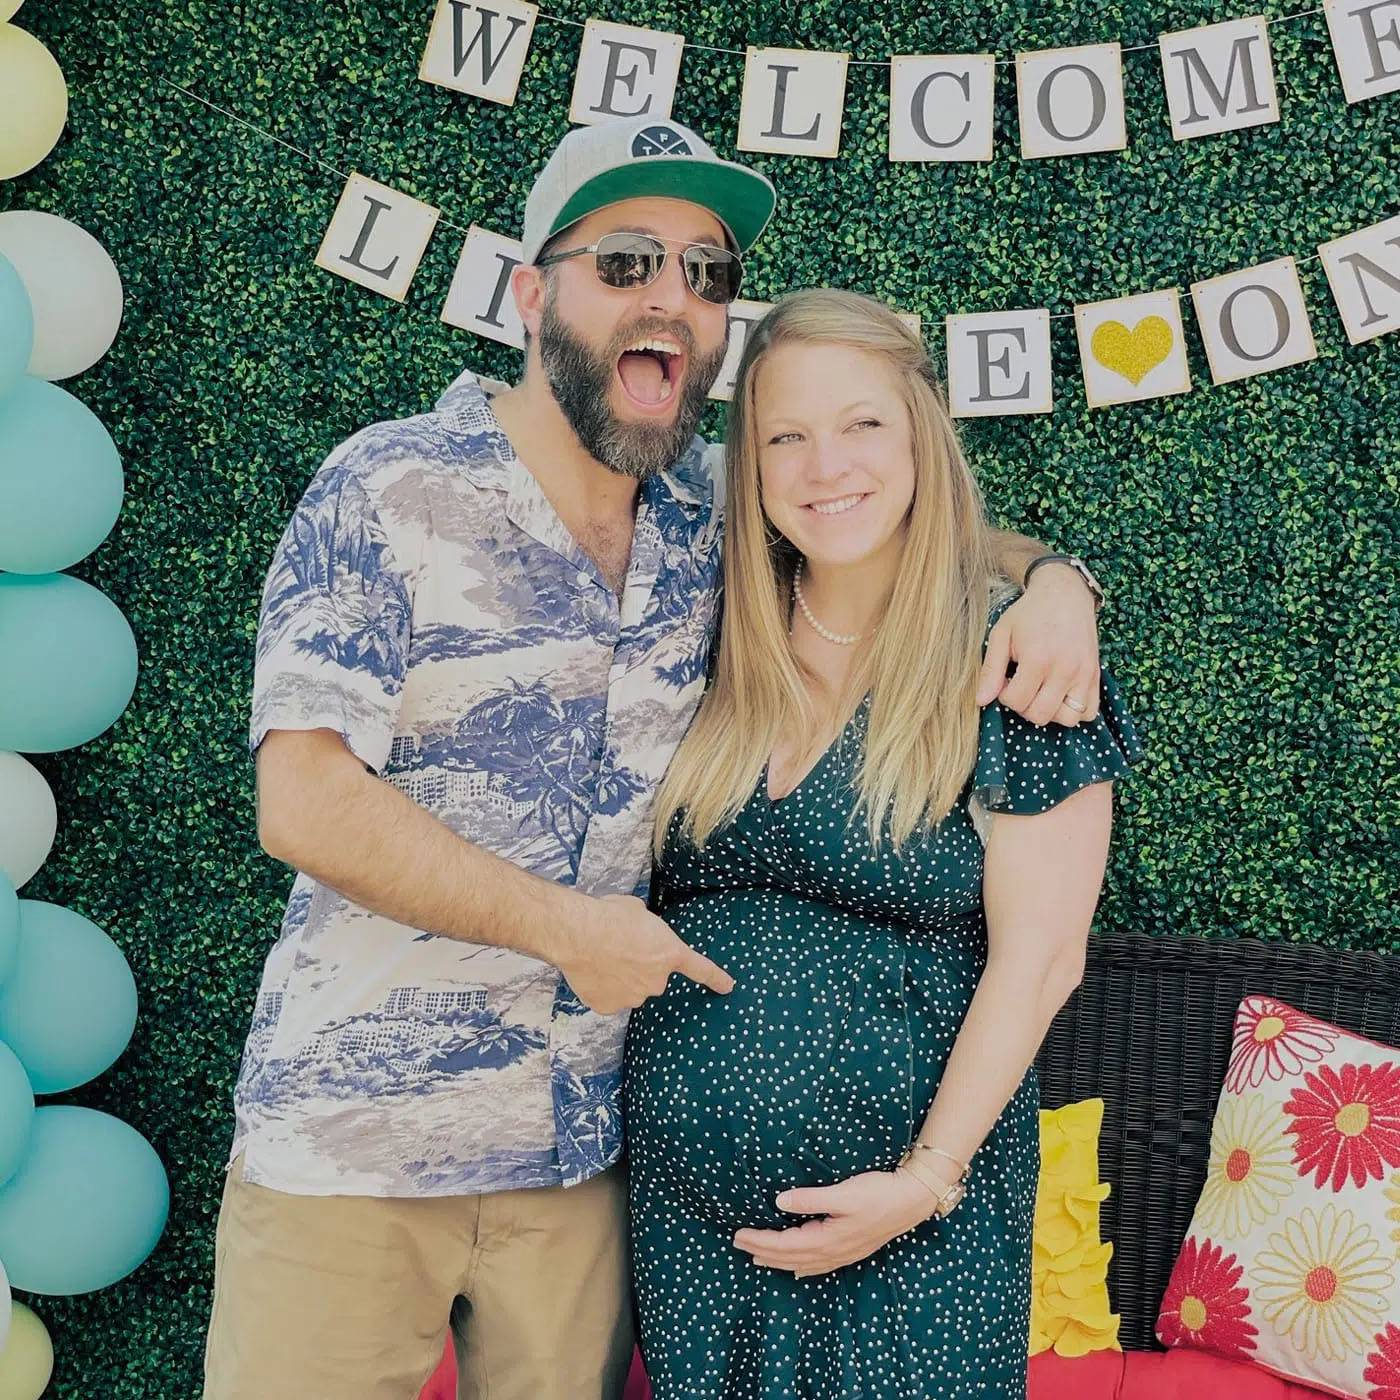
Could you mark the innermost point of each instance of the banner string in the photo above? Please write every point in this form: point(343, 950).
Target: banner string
point(885, 63)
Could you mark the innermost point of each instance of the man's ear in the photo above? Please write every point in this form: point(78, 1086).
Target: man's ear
point(527, 286)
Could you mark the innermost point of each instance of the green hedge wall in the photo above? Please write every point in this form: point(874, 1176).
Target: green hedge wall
point(1247, 534)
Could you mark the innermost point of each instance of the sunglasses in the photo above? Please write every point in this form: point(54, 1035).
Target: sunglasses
point(627, 261)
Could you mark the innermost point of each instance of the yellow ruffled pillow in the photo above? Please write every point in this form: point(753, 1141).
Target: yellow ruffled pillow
point(1069, 1264)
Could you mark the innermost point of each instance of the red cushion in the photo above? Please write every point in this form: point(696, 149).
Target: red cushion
point(442, 1384)
point(1097, 1376)
point(1155, 1375)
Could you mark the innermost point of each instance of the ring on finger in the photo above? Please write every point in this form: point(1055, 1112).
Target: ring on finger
point(1078, 706)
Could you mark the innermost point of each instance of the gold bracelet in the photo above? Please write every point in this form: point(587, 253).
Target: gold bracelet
point(964, 1168)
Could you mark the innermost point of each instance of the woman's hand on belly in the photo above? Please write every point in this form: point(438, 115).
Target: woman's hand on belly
point(861, 1215)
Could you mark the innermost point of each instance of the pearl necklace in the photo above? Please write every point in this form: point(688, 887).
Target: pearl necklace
point(841, 641)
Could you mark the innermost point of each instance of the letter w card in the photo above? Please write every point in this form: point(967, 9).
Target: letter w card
point(479, 47)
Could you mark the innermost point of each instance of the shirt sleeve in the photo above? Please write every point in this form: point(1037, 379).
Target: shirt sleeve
point(333, 632)
point(1025, 768)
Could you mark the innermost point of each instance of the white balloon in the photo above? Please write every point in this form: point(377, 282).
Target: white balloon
point(5, 1306)
point(28, 818)
point(74, 286)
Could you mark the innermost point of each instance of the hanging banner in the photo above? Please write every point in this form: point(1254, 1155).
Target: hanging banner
point(479, 48)
point(624, 72)
point(792, 102)
point(941, 106)
point(1071, 101)
point(1132, 348)
point(1219, 77)
point(376, 237)
point(999, 363)
point(1253, 321)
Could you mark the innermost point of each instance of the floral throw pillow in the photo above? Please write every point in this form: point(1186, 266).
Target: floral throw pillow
point(1292, 1259)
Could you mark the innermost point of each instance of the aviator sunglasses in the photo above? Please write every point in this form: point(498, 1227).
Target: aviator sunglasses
point(626, 261)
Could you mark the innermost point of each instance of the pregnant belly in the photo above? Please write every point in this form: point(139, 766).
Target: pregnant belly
point(819, 1064)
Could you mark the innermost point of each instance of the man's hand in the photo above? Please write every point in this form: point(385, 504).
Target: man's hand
point(1051, 634)
point(622, 954)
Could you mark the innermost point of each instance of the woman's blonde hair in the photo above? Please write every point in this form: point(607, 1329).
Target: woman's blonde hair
point(920, 664)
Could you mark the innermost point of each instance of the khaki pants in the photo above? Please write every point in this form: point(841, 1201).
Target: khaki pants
point(349, 1297)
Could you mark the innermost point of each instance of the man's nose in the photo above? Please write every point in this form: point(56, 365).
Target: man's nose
point(667, 295)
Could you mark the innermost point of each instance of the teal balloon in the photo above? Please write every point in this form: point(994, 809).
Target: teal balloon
point(87, 1206)
point(68, 1007)
point(9, 926)
point(16, 327)
point(67, 662)
point(16, 1113)
point(60, 479)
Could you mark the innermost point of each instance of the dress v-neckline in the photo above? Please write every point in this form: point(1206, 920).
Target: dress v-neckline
point(817, 762)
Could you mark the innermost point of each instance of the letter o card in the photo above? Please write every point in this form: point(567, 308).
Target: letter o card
point(376, 237)
point(1071, 101)
point(1253, 320)
point(999, 363)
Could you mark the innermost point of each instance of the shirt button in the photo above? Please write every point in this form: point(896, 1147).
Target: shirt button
point(584, 579)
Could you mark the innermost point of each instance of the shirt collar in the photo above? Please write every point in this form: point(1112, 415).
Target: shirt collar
point(489, 460)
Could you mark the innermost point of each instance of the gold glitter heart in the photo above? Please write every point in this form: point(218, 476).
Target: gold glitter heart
point(1132, 353)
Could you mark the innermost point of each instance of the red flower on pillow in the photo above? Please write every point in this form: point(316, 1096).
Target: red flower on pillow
point(1204, 1306)
point(1271, 1040)
point(1383, 1365)
point(1347, 1123)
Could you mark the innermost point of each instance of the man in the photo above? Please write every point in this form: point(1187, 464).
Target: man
point(482, 637)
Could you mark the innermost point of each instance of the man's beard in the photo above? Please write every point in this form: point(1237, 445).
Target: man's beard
point(581, 379)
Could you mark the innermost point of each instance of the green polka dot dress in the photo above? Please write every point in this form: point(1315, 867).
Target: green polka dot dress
point(854, 971)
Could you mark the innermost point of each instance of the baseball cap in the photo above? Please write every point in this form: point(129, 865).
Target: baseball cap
point(639, 158)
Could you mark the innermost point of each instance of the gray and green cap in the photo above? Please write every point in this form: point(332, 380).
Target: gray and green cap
point(642, 158)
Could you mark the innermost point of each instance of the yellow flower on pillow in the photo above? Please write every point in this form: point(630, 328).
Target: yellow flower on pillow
point(1251, 1168)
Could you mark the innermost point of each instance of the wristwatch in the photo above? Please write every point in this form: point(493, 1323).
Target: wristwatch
point(1079, 567)
point(946, 1196)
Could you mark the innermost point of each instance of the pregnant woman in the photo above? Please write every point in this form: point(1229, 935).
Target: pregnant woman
point(833, 1168)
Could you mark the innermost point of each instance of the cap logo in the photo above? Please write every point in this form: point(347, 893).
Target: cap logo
point(659, 141)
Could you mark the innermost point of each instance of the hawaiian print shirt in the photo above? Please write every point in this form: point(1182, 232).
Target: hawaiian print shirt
point(427, 603)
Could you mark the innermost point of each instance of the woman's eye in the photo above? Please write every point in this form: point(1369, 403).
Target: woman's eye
point(867, 423)
point(781, 438)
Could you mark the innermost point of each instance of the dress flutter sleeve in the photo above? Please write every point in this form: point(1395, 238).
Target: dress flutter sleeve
point(1025, 768)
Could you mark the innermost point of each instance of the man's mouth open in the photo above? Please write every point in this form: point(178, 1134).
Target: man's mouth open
point(650, 371)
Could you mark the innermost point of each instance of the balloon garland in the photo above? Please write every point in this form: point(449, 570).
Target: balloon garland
point(83, 1196)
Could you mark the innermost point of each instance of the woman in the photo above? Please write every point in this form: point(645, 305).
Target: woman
point(820, 835)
